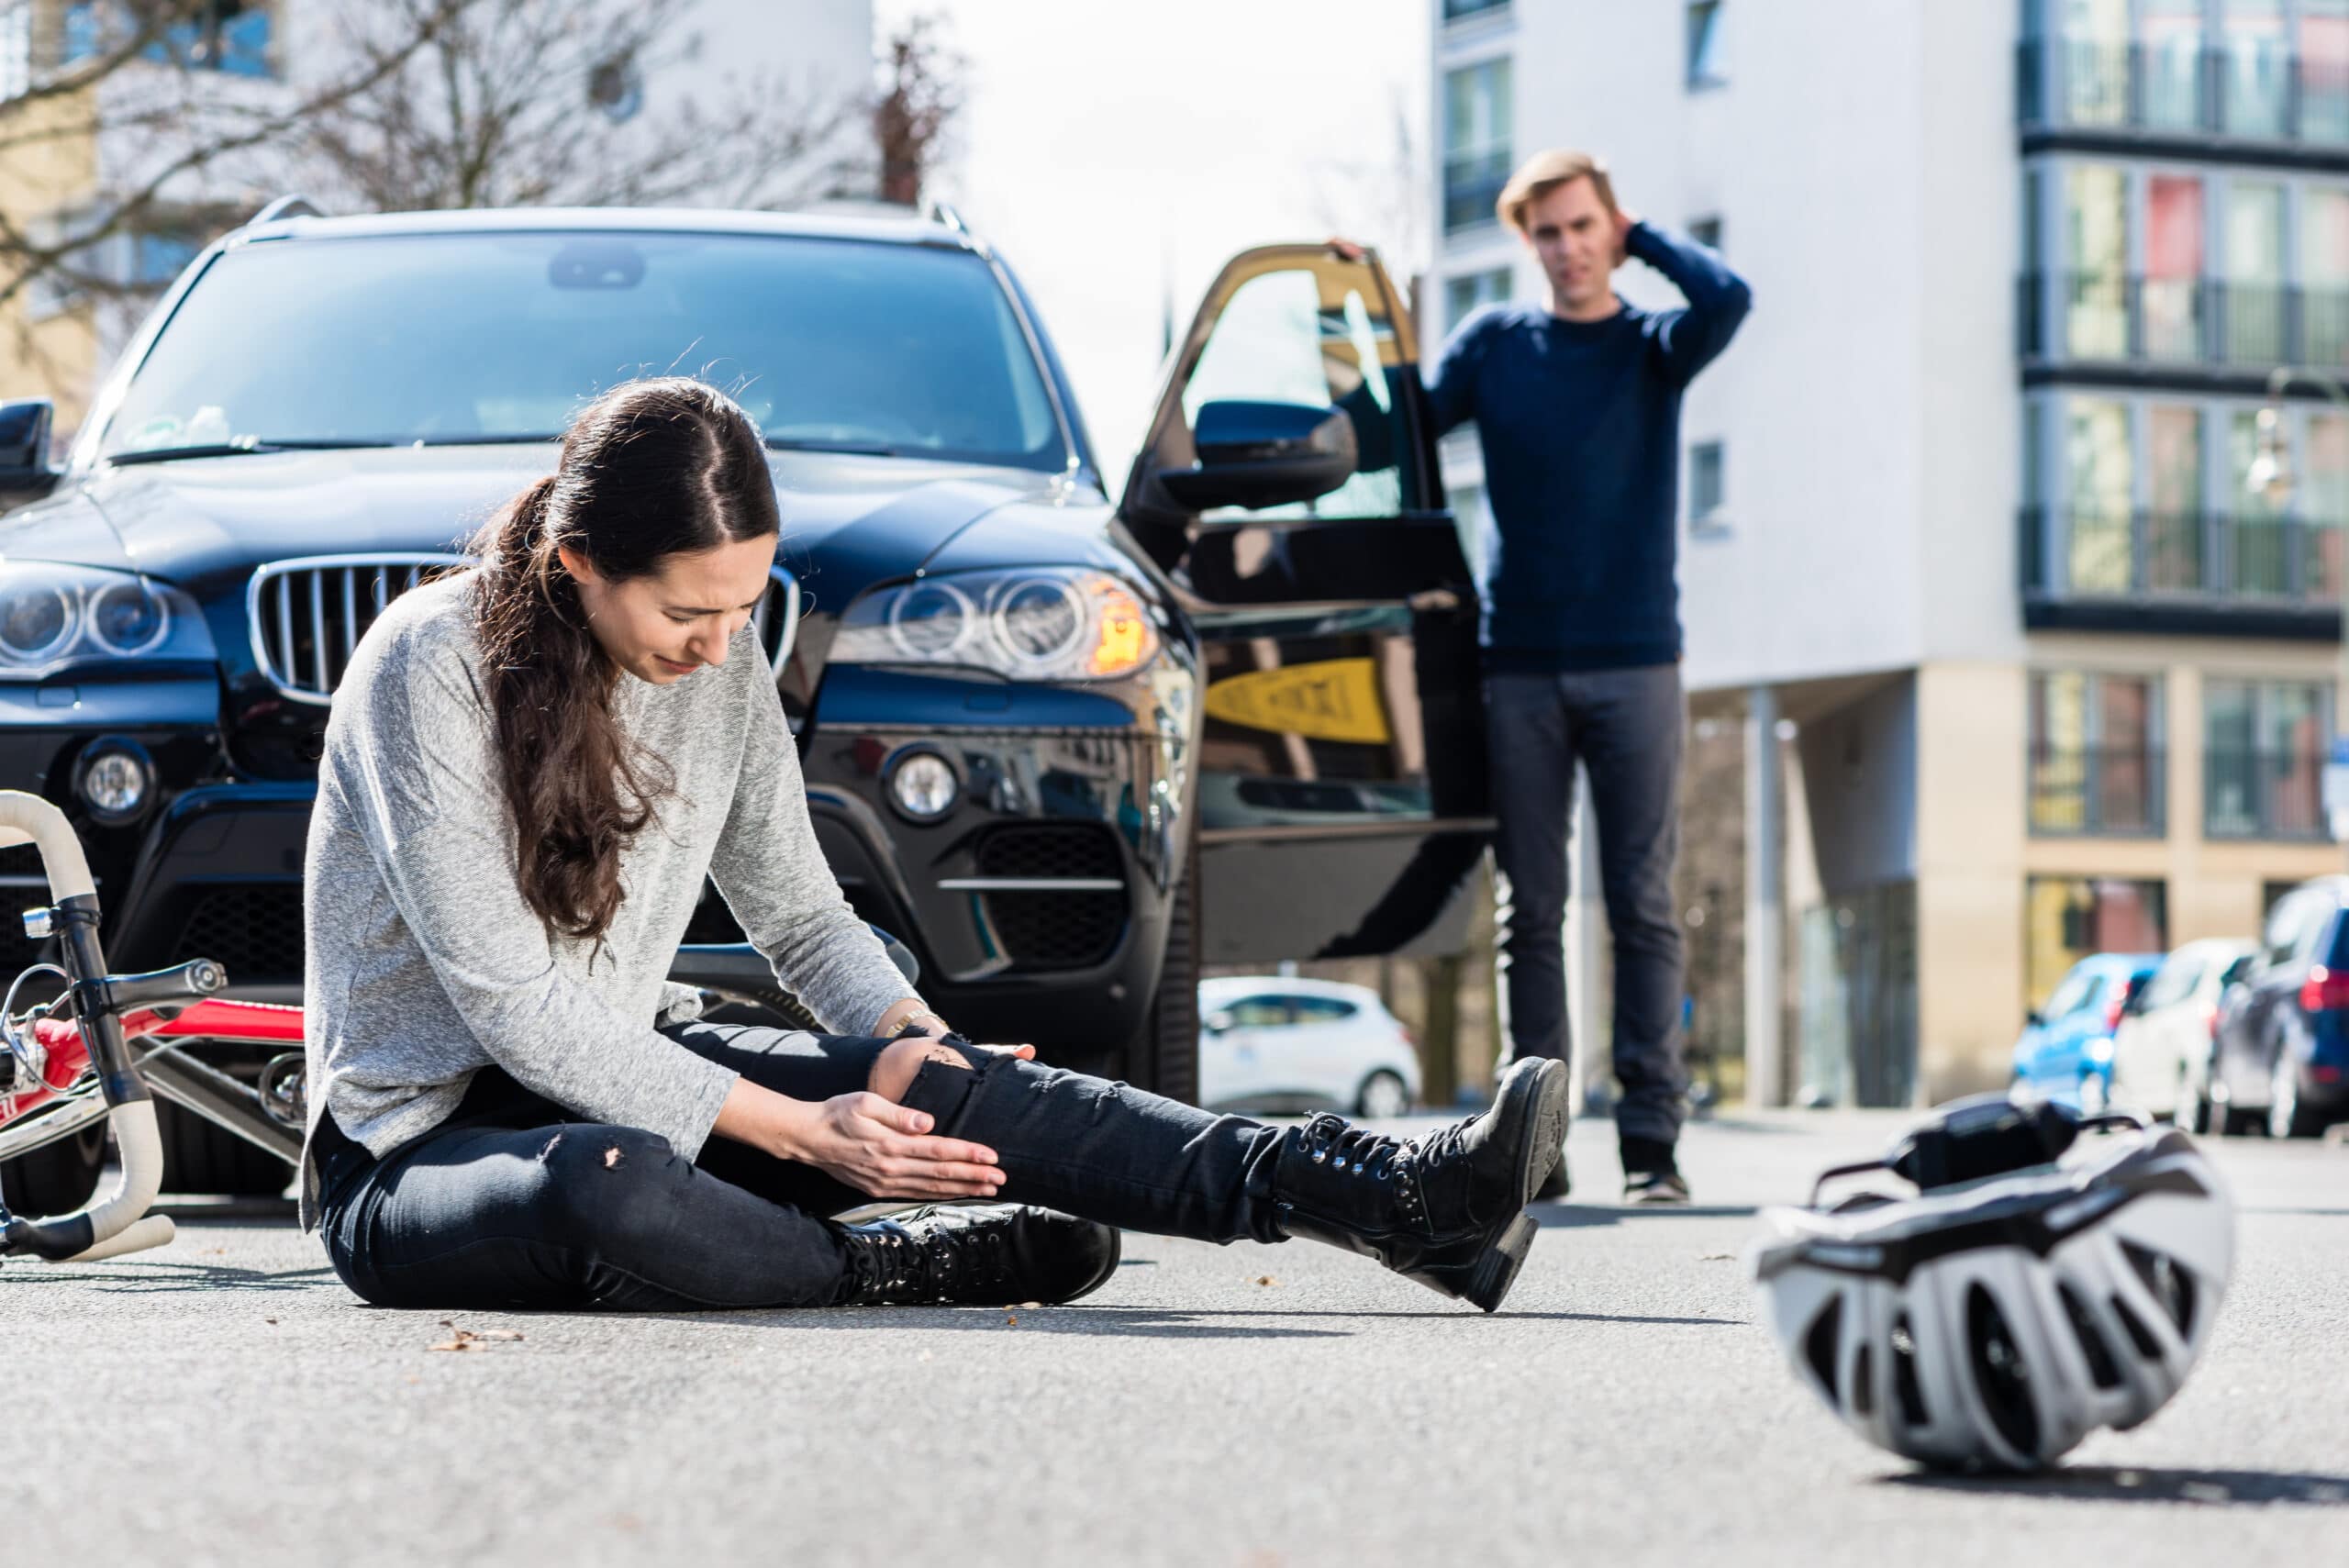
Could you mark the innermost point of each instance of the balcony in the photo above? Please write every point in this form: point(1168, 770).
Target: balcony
point(2263, 795)
point(2097, 791)
point(1472, 183)
point(2168, 329)
point(2261, 104)
point(2180, 571)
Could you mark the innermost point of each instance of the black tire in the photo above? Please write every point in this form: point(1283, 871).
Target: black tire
point(199, 1157)
point(1166, 1057)
point(58, 1178)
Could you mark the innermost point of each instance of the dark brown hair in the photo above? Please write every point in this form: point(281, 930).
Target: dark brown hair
point(652, 469)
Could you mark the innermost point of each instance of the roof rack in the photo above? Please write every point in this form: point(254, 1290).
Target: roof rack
point(287, 206)
point(943, 214)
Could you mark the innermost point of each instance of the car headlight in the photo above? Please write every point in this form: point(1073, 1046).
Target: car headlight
point(53, 614)
point(1044, 624)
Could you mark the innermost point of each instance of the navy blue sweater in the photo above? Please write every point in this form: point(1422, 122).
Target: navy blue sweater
point(1581, 429)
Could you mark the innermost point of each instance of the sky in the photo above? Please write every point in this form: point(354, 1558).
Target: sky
point(1107, 148)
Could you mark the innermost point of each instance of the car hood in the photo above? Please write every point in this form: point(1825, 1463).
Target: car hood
point(202, 522)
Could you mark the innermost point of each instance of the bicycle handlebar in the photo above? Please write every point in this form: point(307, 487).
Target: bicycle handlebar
point(118, 1222)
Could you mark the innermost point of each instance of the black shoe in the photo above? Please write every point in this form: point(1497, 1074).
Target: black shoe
point(975, 1255)
point(1656, 1189)
point(1554, 1187)
point(1650, 1173)
point(1447, 1209)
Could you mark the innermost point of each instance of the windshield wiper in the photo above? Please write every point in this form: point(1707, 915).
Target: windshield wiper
point(855, 449)
point(231, 449)
point(482, 440)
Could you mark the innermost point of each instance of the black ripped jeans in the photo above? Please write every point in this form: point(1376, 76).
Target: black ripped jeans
point(513, 1202)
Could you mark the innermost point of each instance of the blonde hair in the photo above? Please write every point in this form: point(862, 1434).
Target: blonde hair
point(1545, 172)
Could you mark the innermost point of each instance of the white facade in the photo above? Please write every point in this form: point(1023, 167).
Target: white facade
point(1861, 161)
point(2008, 755)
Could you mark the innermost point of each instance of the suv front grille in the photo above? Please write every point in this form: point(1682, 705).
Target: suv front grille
point(308, 615)
point(254, 931)
point(1054, 927)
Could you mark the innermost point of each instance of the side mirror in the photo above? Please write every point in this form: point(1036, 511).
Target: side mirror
point(1216, 1022)
point(24, 448)
point(1264, 454)
point(2032, 1019)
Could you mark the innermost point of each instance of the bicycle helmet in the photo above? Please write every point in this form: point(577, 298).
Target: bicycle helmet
point(2015, 1304)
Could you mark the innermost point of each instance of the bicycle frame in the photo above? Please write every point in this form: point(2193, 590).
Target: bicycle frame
point(119, 1047)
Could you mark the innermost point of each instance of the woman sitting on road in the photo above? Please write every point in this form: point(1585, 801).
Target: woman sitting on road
point(529, 769)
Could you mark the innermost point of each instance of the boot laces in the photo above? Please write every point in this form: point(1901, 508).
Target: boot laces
point(1353, 1150)
point(928, 1257)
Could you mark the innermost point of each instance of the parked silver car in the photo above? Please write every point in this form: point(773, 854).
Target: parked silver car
point(2161, 1052)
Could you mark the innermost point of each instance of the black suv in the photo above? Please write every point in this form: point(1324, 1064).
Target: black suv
point(1067, 746)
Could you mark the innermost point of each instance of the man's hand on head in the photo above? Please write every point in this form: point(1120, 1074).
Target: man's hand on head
point(1624, 218)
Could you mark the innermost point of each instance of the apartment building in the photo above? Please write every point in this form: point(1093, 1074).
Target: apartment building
point(1973, 508)
point(267, 55)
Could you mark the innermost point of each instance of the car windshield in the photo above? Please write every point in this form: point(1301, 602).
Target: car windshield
point(2079, 990)
point(832, 344)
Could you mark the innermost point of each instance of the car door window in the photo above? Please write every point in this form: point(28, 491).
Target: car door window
point(1320, 335)
point(1262, 1012)
point(1323, 1010)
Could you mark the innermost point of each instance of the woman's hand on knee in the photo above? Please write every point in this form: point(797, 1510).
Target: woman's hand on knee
point(884, 1150)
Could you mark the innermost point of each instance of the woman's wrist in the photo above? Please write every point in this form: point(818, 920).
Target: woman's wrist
point(774, 1123)
point(910, 1010)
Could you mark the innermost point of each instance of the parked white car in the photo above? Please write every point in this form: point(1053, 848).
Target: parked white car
point(2161, 1052)
point(1273, 1044)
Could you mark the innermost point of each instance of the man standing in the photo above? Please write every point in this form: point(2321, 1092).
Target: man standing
point(1577, 403)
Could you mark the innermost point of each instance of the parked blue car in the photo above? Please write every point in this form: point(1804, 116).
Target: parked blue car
point(2065, 1051)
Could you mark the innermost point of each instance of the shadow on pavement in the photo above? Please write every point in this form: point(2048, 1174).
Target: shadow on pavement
point(2120, 1483)
point(162, 1275)
point(1577, 1215)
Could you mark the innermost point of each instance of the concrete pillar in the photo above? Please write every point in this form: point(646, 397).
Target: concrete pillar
point(1765, 908)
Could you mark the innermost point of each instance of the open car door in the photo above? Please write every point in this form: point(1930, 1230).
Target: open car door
point(1289, 486)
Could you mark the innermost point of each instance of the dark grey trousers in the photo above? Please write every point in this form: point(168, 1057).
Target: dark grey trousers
point(1625, 728)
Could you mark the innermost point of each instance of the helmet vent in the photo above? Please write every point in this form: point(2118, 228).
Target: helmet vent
point(2139, 1335)
point(2101, 1366)
point(1819, 1342)
point(2171, 1285)
point(1905, 1387)
point(1864, 1383)
point(2000, 1375)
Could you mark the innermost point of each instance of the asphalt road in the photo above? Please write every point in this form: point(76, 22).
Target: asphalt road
point(225, 1401)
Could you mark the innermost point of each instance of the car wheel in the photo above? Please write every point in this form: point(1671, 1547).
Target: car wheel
point(57, 1178)
point(2287, 1117)
point(200, 1156)
point(1383, 1096)
point(1165, 1059)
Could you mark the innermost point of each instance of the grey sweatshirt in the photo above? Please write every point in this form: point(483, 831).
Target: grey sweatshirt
point(426, 965)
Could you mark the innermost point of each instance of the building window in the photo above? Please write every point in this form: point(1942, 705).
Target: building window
point(1708, 482)
point(2264, 745)
point(2068, 918)
point(1464, 296)
point(1707, 66)
point(227, 36)
point(1461, 10)
point(1707, 231)
point(16, 48)
point(2096, 755)
point(1477, 121)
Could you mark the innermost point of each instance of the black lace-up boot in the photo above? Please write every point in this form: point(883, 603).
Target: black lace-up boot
point(974, 1255)
point(1446, 1208)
